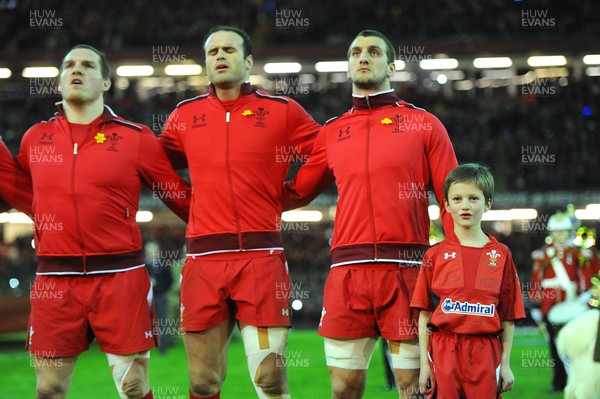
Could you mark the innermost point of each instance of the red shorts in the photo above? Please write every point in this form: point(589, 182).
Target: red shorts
point(254, 287)
point(465, 366)
point(370, 300)
point(68, 312)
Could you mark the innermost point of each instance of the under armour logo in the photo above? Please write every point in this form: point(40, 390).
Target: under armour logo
point(285, 312)
point(148, 334)
point(450, 255)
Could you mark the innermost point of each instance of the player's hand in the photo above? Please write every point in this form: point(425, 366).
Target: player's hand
point(425, 379)
point(507, 379)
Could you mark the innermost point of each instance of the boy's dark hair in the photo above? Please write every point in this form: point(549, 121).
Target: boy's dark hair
point(390, 52)
point(227, 28)
point(104, 67)
point(471, 173)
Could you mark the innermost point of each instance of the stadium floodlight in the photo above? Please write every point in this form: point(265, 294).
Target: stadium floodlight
point(399, 64)
point(40, 72)
point(5, 73)
point(434, 212)
point(135, 70)
point(492, 62)
point(591, 212)
point(510, 214)
point(546, 60)
point(592, 71)
point(331, 66)
point(302, 216)
point(591, 59)
point(143, 216)
point(183, 69)
point(282, 67)
point(438, 63)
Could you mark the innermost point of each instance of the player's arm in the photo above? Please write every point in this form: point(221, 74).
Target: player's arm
point(169, 139)
point(302, 127)
point(507, 378)
point(425, 375)
point(15, 182)
point(312, 178)
point(441, 160)
point(158, 174)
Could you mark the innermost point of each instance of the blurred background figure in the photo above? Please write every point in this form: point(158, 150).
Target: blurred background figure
point(162, 280)
point(562, 272)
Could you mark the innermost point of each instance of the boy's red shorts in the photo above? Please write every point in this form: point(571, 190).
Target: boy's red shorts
point(465, 366)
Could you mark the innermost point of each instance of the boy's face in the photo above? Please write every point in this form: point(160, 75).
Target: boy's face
point(466, 203)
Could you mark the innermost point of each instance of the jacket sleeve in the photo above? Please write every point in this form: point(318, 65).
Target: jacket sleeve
point(169, 139)
point(15, 184)
point(441, 160)
point(312, 178)
point(160, 176)
point(303, 128)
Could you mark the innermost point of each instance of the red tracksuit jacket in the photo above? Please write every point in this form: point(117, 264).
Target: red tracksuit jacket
point(238, 154)
point(15, 185)
point(383, 154)
point(85, 197)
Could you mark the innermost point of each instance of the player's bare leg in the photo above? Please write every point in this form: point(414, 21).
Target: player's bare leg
point(405, 361)
point(407, 381)
point(130, 373)
point(206, 353)
point(347, 384)
point(265, 348)
point(53, 376)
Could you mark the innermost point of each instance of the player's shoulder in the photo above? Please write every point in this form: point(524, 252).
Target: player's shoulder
point(191, 101)
point(263, 95)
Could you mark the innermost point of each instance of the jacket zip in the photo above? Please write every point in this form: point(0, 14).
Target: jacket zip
point(368, 178)
point(230, 181)
point(75, 207)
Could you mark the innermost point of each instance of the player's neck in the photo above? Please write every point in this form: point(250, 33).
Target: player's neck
point(228, 94)
point(83, 113)
point(471, 237)
point(356, 90)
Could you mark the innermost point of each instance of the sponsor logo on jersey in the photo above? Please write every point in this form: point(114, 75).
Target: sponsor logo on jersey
point(344, 134)
point(468, 308)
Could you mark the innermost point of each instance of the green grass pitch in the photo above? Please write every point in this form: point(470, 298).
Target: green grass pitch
point(307, 372)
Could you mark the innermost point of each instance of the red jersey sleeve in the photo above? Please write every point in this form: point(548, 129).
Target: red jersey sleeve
point(158, 173)
point(169, 139)
point(510, 301)
point(303, 128)
point(441, 160)
point(312, 178)
point(423, 296)
point(15, 184)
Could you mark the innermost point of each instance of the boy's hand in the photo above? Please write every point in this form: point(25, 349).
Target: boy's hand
point(425, 379)
point(507, 379)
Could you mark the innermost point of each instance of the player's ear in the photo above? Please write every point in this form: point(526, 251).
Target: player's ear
point(446, 206)
point(391, 70)
point(249, 62)
point(106, 83)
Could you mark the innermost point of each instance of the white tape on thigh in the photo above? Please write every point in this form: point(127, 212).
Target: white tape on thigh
point(351, 354)
point(405, 354)
point(259, 342)
point(120, 366)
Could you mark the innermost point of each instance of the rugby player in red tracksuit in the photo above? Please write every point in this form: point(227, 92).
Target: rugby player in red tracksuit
point(382, 154)
point(15, 185)
point(468, 293)
point(234, 139)
point(87, 166)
